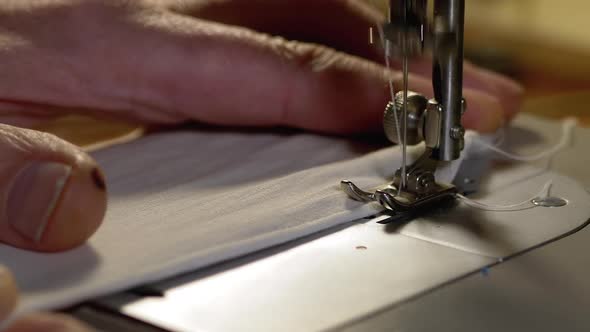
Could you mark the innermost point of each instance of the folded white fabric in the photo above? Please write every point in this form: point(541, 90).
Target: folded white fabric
point(185, 200)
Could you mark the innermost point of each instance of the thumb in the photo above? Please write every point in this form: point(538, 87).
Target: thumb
point(52, 195)
point(8, 293)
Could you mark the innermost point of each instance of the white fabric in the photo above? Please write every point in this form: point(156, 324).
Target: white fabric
point(327, 282)
point(182, 201)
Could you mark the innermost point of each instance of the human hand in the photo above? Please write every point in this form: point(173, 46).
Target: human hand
point(166, 62)
point(36, 322)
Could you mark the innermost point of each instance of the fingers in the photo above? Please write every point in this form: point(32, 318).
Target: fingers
point(52, 195)
point(8, 293)
point(233, 76)
point(154, 66)
point(339, 24)
point(251, 79)
point(509, 92)
point(342, 25)
point(493, 99)
point(48, 323)
point(485, 112)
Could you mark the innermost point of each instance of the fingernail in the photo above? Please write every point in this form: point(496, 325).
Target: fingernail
point(34, 195)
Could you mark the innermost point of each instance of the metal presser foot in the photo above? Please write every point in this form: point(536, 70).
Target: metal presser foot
point(419, 190)
point(393, 200)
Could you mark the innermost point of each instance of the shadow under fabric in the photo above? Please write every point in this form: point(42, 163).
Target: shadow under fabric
point(186, 200)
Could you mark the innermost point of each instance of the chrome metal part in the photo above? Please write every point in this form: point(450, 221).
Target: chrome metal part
point(447, 74)
point(388, 196)
point(410, 33)
point(414, 122)
point(437, 122)
point(423, 120)
point(421, 188)
point(408, 24)
point(432, 124)
point(458, 133)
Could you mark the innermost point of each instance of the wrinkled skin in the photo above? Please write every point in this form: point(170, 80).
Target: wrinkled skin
point(299, 63)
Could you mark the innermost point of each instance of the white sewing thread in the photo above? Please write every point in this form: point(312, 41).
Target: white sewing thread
point(567, 133)
point(387, 47)
point(524, 205)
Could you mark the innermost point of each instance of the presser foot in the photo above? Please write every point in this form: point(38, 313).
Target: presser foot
point(421, 190)
point(392, 199)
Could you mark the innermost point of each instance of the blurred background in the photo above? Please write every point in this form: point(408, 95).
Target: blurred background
point(544, 44)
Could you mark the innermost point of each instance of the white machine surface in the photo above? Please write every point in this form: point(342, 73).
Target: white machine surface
point(357, 270)
point(372, 276)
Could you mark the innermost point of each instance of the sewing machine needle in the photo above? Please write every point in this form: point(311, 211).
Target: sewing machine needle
point(405, 105)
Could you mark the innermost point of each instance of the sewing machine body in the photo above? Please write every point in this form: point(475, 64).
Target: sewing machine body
point(358, 277)
point(366, 275)
point(341, 280)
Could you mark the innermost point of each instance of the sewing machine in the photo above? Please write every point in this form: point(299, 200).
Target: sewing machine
point(411, 118)
point(249, 292)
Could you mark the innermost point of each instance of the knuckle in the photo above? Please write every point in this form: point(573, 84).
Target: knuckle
point(12, 138)
point(308, 57)
point(22, 144)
